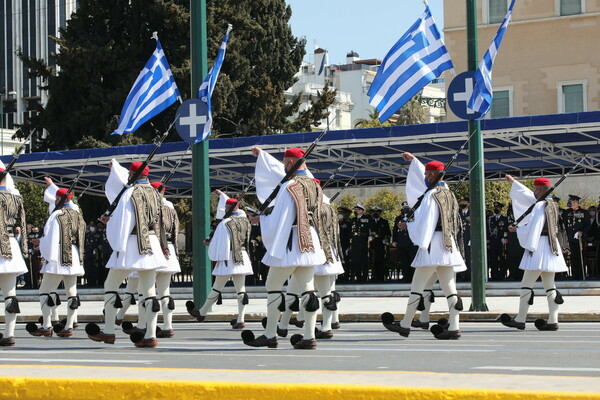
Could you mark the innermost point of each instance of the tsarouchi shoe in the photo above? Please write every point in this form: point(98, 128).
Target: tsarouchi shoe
point(418, 324)
point(542, 325)
point(443, 334)
point(323, 334)
point(388, 322)
point(261, 341)
point(335, 325)
point(303, 344)
point(294, 321)
point(507, 320)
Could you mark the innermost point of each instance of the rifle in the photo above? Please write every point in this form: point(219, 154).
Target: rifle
point(63, 199)
point(334, 174)
point(165, 179)
point(335, 196)
point(290, 173)
point(547, 193)
point(15, 158)
point(137, 173)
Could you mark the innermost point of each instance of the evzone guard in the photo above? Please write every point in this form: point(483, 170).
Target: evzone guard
point(538, 234)
point(228, 248)
point(170, 225)
point(12, 253)
point(62, 249)
point(293, 246)
point(434, 229)
point(135, 234)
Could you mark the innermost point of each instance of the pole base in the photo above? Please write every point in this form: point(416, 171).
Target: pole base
point(479, 307)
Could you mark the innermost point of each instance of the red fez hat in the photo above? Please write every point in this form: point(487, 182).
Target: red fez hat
point(294, 152)
point(137, 165)
point(158, 185)
point(232, 201)
point(434, 166)
point(541, 182)
point(1, 169)
point(61, 192)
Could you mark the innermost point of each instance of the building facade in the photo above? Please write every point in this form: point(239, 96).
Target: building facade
point(26, 26)
point(549, 60)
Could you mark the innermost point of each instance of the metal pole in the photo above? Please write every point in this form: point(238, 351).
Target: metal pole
point(2, 121)
point(200, 178)
point(476, 186)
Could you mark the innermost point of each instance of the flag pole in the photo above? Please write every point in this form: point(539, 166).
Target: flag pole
point(476, 181)
point(200, 177)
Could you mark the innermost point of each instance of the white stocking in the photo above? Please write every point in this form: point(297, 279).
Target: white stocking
point(71, 291)
point(146, 286)
point(8, 285)
point(550, 287)
point(130, 296)
point(420, 279)
point(529, 278)
point(240, 288)
point(324, 285)
point(213, 296)
point(292, 294)
point(113, 280)
point(448, 285)
point(274, 285)
point(304, 277)
point(163, 281)
point(428, 293)
point(49, 284)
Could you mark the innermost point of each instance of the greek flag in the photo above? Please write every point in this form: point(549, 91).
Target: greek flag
point(323, 60)
point(416, 59)
point(206, 89)
point(153, 91)
point(481, 99)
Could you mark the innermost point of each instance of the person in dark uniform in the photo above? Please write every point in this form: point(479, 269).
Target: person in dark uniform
point(514, 251)
point(257, 251)
point(406, 249)
point(578, 224)
point(591, 243)
point(90, 261)
point(465, 216)
point(359, 245)
point(497, 231)
point(345, 223)
point(379, 231)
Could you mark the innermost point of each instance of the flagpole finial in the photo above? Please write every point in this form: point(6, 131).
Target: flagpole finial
point(155, 35)
point(426, 3)
point(229, 28)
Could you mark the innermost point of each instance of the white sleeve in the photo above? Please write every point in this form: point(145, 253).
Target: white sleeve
point(121, 223)
point(218, 249)
point(522, 198)
point(50, 197)
point(425, 220)
point(49, 243)
point(117, 179)
point(268, 174)
point(221, 207)
point(415, 181)
point(529, 233)
point(276, 227)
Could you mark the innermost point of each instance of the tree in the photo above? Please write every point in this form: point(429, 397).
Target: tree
point(102, 50)
point(316, 112)
point(36, 209)
point(412, 112)
point(372, 121)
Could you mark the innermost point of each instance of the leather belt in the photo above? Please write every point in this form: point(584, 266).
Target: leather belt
point(150, 232)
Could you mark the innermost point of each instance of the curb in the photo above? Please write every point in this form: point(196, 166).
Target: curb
point(350, 317)
point(126, 389)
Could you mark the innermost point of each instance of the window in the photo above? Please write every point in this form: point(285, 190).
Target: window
point(501, 104)
point(570, 7)
point(497, 11)
point(572, 98)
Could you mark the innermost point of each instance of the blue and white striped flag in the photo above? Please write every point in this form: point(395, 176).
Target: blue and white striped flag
point(481, 99)
point(153, 91)
point(323, 61)
point(206, 89)
point(416, 59)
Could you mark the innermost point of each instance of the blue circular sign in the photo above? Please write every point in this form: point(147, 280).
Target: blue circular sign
point(190, 120)
point(459, 93)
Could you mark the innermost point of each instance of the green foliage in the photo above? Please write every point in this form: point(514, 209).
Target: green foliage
point(412, 112)
point(391, 203)
point(317, 111)
point(36, 209)
point(347, 200)
point(371, 122)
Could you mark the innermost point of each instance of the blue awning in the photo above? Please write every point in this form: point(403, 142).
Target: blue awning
point(547, 145)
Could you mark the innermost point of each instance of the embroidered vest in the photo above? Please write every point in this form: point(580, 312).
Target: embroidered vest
point(330, 228)
point(147, 207)
point(170, 225)
point(308, 199)
point(72, 232)
point(239, 234)
point(12, 214)
point(449, 216)
point(552, 214)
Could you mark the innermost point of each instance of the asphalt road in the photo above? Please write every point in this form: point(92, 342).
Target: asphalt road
point(485, 348)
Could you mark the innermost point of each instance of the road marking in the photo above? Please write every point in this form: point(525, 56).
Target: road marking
point(79, 361)
point(515, 368)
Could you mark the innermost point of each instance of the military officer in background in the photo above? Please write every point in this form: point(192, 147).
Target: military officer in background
point(345, 223)
point(405, 247)
point(359, 245)
point(465, 216)
point(379, 230)
point(514, 251)
point(497, 232)
point(578, 224)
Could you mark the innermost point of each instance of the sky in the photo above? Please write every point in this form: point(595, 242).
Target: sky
point(370, 28)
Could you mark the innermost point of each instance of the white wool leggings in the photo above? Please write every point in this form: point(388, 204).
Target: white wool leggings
point(217, 289)
point(8, 285)
point(303, 279)
point(529, 279)
point(325, 284)
point(448, 284)
point(47, 291)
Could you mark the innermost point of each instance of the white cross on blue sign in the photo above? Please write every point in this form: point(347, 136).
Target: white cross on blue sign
point(459, 93)
point(191, 118)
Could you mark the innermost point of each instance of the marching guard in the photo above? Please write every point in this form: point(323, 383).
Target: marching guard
point(539, 236)
point(62, 248)
point(12, 253)
point(136, 237)
point(228, 247)
point(434, 229)
point(292, 242)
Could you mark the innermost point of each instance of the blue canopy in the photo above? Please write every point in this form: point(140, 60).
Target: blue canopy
point(547, 145)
